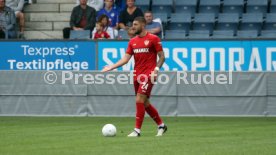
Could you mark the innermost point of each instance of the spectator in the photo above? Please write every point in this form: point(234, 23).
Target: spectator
point(152, 26)
point(17, 6)
point(83, 17)
point(113, 33)
point(96, 4)
point(111, 12)
point(7, 21)
point(128, 15)
point(100, 33)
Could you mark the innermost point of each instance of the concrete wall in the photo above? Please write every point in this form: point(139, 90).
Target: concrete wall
point(25, 93)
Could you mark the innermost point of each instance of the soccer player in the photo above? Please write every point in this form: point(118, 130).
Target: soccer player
point(145, 47)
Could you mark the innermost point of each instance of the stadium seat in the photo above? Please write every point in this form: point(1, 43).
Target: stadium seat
point(273, 6)
point(270, 23)
point(86, 34)
point(257, 6)
point(268, 34)
point(162, 16)
point(199, 34)
point(220, 34)
point(162, 6)
point(180, 21)
point(209, 6)
point(175, 34)
point(186, 6)
point(122, 34)
point(204, 21)
point(233, 6)
point(144, 5)
point(247, 34)
point(252, 21)
point(228, 21)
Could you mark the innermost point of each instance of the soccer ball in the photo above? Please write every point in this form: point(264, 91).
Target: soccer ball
point(109, 130)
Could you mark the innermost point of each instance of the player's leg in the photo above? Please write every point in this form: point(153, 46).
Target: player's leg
point(153, 113)
point(140, 114)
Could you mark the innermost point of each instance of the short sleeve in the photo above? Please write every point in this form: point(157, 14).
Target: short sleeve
point(129, 49)
point(158, 44)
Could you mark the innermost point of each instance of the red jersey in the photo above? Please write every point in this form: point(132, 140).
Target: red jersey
point(103, 35)
point(144, 49)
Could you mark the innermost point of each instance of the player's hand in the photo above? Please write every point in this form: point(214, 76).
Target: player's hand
point(107, 68)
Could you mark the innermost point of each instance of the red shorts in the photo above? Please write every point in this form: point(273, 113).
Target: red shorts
point(143, 87)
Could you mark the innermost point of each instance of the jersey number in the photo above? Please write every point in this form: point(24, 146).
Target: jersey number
point(145, 86)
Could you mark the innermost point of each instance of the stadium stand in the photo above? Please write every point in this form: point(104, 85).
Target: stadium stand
point(176, 34)
point(122, 34)
point(180, 21)
point(162, 6)
point(45, 19)
point(268, 33)
point(204, 21)
point(220, 34)
point(257, 6)
point(273, 6)
point(199, 34)
point(233, 6)
point(228, 21)
point(209, 6)
point(270, 23)
point(80, 34)
point(144, 5)
point(186, 6)
point(252, 21)
point(247, 34)
point(163, 17)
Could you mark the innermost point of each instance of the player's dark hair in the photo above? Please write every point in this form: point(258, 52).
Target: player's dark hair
point(140, 20)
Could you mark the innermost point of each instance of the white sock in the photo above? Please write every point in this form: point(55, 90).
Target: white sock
point(161, 125)
point(137, 130)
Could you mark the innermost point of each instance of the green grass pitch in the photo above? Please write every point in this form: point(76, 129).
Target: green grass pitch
point(186, 135)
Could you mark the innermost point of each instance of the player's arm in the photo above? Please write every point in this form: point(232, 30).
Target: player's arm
point(120, 63)
point(161, 60)
point(159, 64)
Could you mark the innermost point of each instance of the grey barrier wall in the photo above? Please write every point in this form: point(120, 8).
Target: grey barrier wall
point(25, 93)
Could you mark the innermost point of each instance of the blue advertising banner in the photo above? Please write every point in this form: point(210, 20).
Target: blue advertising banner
point(201, 55)
point(48, 55)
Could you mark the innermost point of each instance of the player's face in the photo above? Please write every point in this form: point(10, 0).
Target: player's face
point(148, 17)
point(137, 27)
